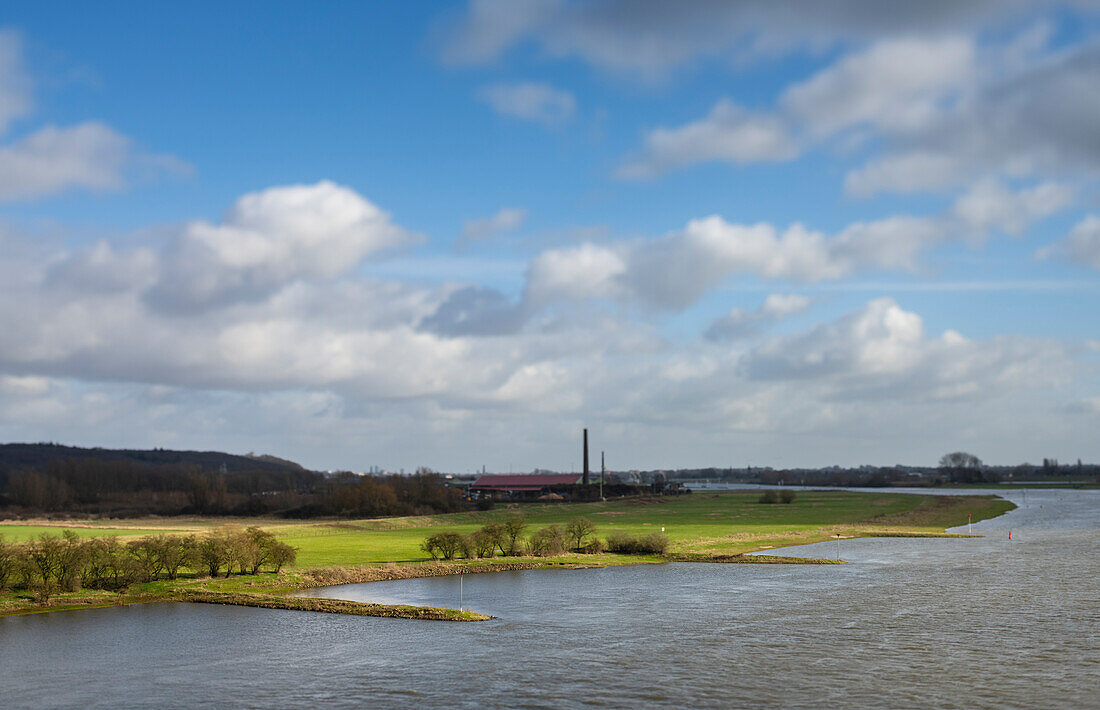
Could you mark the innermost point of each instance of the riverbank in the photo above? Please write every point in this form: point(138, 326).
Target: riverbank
point(719, 527)
point(277, 591)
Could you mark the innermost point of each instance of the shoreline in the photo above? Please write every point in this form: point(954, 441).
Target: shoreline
point(743, 544)
point(281, 594)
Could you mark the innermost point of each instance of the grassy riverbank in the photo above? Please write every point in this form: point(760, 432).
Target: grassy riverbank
point(714, 526)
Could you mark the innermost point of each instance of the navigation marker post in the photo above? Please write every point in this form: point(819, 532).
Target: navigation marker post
point(460, 576)
point(969, 523)
point(838, 547)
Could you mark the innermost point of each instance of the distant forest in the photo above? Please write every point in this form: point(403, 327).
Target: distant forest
point(49, 478)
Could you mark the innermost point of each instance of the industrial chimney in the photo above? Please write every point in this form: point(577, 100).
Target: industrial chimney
point(585, 479)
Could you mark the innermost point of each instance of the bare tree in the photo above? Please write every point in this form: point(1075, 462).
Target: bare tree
point(513, 531)
point(445, 544)
point(42, 566)
point(497, 536)
point(174, 552)
point(148, 558)
point(578, 530)
point(483, 543)
point(282, 554)
point(213, 552)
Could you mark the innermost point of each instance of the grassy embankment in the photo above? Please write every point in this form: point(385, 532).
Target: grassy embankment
point(716, 526)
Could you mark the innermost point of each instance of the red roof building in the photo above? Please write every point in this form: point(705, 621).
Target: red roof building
point(529, 485)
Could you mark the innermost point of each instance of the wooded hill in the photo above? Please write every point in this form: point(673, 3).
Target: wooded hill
point(49, 478)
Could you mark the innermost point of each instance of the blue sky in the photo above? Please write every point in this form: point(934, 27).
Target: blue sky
point(406, 234)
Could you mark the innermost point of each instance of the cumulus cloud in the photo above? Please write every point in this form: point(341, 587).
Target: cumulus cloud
point(102, 269)
point(990, 205)
point(727, 134)
point(531, 101)
point(269, 239)
point(322, 360)
point(740, 323)
point(88, 156)
point(648, 39)
point(896, 85)
point(675, 270)
point(1034, 123)
point(506, 220)
point(883, 350)
point(1081, 246)
point(575, 273)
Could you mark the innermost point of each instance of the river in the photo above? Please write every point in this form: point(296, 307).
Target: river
point(947, 623)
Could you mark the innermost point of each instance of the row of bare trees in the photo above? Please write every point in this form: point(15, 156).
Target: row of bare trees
point(509, 539)
point(51, 564)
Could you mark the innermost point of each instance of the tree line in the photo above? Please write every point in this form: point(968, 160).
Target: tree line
point(52, 564)
point(127, 488)
point(511, 538)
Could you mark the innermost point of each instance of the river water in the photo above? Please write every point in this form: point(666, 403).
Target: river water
point(946, 623)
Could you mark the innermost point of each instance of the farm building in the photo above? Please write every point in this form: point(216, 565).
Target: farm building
point(529, 486)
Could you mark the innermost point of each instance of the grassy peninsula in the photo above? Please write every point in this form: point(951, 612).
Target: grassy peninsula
point(707, 526)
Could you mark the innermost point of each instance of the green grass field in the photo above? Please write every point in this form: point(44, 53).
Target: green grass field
point(717, 522)
point(726, 522)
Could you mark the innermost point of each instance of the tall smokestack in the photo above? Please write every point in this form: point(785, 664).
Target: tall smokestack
point(585, 480)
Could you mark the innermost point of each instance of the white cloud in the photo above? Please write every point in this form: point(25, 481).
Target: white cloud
point(990, 205)
point(649, 38)
point(102, 269)
point(51, 159)
point(1034, 123)
point(675, 270)
point(739, 323)
point(882, 350)
point(506, 220)
point(1082, 245)
point(15, 85)
point(311, 366)
point(269, 239)
point(894, 85)
point(531, 101)
point(576, 273)
point(727, 134)
point(914, 171)
point(88, 156)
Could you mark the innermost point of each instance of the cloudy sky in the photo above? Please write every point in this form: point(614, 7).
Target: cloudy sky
point(452, 235)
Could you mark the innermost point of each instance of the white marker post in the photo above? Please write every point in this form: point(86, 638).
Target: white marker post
point(460, 576)
point(970, 523)
point(838, 547)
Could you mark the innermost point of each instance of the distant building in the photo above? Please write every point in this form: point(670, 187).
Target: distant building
point(522, 486)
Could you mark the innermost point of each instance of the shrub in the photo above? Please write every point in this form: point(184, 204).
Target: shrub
point(446, 545)
point(282, 554)
point(109, 565)
point(578, 530)
point(483, 543)
point(513, 532)
point(620, 542)
point(547, 542)
point(769, 496)
point(594, 547)
point(625, 544)
point(786, 496)
point(212, 552)
point(653, 543)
